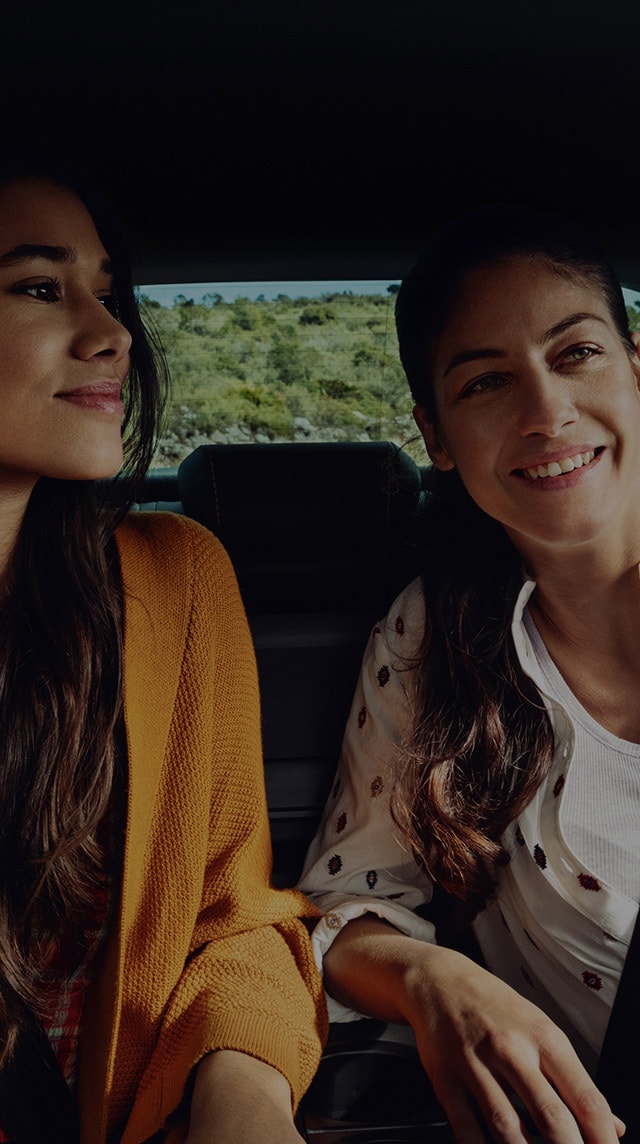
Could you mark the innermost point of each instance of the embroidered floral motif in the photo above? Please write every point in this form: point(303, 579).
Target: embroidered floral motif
point(519, 836)
point(393, 897)
point(558, 786)
point(400, 626)
point(377, 786)
point(588, 882)
point(529, 937)
point(362, 717)
point(540, 856)
point(336, 787)
point(332, 921)
point(342, 822)
point(504, 921)
point(384, 675)
point(376, 631)
point(591, 980)
point(334, 865)
point(526, 977)
point(372, 879)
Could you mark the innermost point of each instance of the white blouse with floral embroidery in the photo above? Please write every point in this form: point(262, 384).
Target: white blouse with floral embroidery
point(556, 931)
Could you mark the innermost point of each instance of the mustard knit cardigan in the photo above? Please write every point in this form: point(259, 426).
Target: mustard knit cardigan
point(203, 954)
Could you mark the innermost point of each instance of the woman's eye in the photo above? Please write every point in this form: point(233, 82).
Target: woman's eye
point(484, 384)
point(110, 303)
point(41, 291)
point(580, 353)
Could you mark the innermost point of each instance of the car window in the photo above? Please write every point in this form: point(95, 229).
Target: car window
point(632, 299)
point(285, 361)
point(280, 361)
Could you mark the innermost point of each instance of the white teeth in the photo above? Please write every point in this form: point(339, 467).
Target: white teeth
point(555, 468)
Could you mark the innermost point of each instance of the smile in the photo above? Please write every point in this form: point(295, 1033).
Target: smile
point(557, 468)
point(103, 396)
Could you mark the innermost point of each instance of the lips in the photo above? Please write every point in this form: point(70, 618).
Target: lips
point(556, 468)
point(560, 465)
point(104, 388)
point(101, 395)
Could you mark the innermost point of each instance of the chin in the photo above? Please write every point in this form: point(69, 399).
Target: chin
point(87, 468)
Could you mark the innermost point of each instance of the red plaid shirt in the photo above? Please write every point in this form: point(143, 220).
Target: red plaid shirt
point(71, 969)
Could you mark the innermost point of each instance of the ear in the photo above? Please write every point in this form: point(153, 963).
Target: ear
point(437, 451)
point(635, 360)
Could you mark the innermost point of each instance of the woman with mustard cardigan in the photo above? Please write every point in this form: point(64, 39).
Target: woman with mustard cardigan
point(152, 983)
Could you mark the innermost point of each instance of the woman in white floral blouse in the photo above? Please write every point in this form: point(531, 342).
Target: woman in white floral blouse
point(493, 746)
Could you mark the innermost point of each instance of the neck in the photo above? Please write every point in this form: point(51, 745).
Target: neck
point(590, 595)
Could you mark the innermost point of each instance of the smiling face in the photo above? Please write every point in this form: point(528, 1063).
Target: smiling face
point(63, 355)
point(538, 407)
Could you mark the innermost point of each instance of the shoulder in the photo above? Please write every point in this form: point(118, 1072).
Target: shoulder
point(403, 627)
point(164, 530)
point(164, 554)
point(167, 539)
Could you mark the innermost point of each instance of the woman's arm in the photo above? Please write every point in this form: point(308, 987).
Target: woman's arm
point(358, 862)
point(238, 1099)
point(475, 1036)
point(216, 958)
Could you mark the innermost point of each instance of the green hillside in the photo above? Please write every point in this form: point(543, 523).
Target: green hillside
point(324, 369)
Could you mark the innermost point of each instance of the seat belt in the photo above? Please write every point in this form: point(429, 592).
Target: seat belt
point(36, 1106)
point(619, 1065)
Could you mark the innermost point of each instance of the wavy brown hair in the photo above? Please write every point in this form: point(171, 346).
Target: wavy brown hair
point(482, 741)
point(61, 664)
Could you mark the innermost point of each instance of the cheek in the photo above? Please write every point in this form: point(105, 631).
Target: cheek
point(473, 443)
point(21, 354)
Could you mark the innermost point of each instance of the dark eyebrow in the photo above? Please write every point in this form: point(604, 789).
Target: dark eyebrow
point(29, 251)
point(554, 332)
point(567, 323)
point(472, 355)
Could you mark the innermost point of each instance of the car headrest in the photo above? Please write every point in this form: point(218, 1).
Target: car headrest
point(309, 494)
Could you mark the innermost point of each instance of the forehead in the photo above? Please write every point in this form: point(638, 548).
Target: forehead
point(519, 298)
point(35, 211)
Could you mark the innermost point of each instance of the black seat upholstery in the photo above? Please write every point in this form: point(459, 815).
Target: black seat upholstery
point(309, 527)
point(322, 537)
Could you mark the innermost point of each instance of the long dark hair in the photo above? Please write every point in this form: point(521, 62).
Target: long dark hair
point(61, 661)
point(482, 741)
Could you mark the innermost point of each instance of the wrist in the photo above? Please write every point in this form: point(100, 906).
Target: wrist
point(427, 971)
point(238, 1099)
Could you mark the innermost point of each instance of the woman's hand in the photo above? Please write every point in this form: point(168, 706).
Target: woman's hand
point(240, 1100)
point(476, 1036)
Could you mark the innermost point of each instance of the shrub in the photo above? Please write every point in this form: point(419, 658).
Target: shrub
point(317, 315)
point(338, 389)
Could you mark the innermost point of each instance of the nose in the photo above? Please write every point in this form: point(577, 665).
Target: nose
point(547, 406)
point(98, 334)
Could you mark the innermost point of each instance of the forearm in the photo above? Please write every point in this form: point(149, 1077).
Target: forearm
point(238, 1099)
point(477, 1038)
point(371, 967)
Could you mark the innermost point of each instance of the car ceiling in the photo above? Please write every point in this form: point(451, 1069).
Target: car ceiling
point(284, 140)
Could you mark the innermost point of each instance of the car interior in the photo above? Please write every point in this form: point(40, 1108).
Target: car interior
point(276, 142)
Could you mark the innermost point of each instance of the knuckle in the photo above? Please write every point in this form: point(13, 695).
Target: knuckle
point(500, 1044)
point(544, 1031)
point(554, 1118)
point(590, 1104)
point(502, 1122)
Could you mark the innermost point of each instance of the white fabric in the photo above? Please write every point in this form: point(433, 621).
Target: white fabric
point(599, 816)
point(557, 932)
